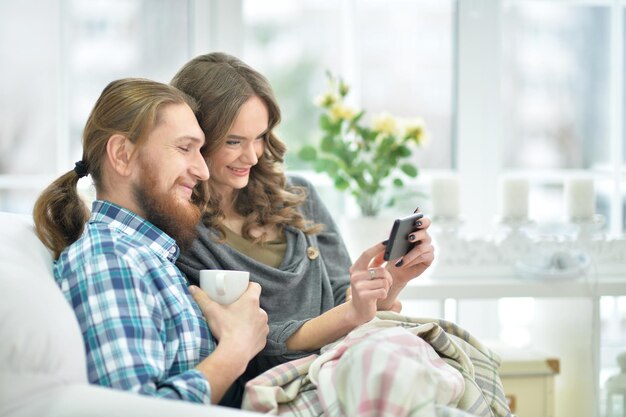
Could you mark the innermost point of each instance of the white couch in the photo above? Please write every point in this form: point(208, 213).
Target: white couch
point(42, 360)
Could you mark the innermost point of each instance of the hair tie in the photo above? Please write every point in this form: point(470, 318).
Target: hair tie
point(81, 169)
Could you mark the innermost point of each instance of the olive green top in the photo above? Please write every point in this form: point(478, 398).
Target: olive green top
point(270, 253)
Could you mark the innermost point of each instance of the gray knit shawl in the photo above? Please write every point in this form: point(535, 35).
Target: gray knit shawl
point(298, 290)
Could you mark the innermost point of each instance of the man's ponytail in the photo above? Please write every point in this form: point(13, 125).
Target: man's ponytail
point(60, 214)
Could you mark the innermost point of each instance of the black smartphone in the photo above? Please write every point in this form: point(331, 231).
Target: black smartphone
point(398, 244)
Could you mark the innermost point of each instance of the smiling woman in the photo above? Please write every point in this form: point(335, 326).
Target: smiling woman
point(244, 145)
point(276, 226)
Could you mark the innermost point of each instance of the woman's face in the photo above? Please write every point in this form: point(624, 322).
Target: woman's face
point(230, 166)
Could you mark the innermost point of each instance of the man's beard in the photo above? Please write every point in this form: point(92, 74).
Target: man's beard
point(165, 211)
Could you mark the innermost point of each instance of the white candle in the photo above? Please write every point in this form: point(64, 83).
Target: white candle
point(513, 199)
point(445, 197)
point(580, 199)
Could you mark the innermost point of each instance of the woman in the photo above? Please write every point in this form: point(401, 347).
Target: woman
point(277, 227)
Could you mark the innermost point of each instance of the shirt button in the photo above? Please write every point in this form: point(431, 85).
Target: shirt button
point(312, 252)
point(173, 250)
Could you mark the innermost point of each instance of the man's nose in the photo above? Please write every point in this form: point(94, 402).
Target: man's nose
point(199, 168)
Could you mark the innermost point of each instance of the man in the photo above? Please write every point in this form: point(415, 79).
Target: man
point(143, 331)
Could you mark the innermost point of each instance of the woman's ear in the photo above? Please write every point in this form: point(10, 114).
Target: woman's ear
point(119, 154)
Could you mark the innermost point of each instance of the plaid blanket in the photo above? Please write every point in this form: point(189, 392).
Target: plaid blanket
point(392, 366)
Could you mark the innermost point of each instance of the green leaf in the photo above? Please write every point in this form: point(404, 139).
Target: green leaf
point(356, 118)
point(341, 184)
point(328, 143)
point(326, 165)
point(409, 170)
point(325, 122)
point(347, 157)
point(367, 134)
point(398, 182)
point(404, 151)
point(387, 142)
point(307, 153)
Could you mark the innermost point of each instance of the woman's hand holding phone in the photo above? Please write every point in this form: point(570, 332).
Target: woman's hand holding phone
point(398, 243)
point(419, 257)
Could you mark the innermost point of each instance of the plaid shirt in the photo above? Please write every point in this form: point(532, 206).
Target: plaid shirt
point(142, 330)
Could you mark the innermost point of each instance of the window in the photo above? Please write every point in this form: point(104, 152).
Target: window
point(57, 57)
point(530, 87)
point(540, 95)
point(556, 79)
point(397, 56)
point(556, 73)
point(108, 39)
point(28, 104)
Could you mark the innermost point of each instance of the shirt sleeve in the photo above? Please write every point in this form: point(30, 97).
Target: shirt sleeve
point(126, 334)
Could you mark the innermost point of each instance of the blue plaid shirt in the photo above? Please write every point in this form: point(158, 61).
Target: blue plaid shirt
point(142, 330)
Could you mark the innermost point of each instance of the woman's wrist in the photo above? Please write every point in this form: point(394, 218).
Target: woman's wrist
point(392, 295)
point(386, 304)
point(353, 316)
point(326, 328)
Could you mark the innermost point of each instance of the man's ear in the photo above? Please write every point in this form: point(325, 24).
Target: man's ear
point(120, 154)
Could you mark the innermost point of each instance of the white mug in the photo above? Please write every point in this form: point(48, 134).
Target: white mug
point(224, 286)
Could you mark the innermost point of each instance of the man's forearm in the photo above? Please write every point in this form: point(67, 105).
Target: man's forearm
point(221, 369)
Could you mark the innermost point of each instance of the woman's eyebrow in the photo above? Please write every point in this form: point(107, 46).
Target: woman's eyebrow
point(234, 136)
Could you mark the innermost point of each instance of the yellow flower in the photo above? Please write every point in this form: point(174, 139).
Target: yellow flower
point(385, 124)
point(326, 100)
point(415, 130)
point(340, 111)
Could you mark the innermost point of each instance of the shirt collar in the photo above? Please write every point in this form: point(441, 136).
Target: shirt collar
point(136, 227)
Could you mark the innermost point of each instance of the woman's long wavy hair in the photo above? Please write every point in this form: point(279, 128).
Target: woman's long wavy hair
point(129, 107)
point(221, 84)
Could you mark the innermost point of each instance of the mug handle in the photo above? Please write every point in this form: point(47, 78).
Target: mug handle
point(220, 286)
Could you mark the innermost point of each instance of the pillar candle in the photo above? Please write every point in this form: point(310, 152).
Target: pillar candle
point(445, 197)
point(580, 199)
point(513, 199)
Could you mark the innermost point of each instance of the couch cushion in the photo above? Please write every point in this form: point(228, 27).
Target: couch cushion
point(38, 329)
